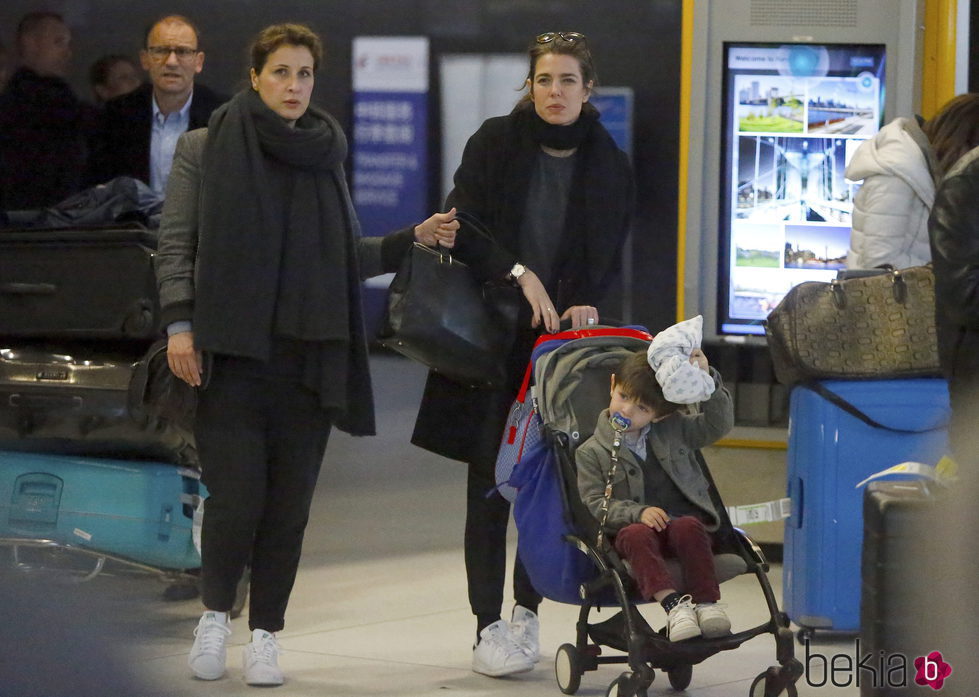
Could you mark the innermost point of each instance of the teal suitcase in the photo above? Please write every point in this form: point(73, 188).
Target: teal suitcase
point(137, 511)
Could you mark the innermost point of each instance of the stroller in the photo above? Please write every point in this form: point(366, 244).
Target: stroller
point(558, 536)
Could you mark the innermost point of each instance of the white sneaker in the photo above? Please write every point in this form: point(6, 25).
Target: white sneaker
point(261, 660)
point(681, 623)
point(497, 654)
point(525, 630)
point(208, 655)
point(713, 620)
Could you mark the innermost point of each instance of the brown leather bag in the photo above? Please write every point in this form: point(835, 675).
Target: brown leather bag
point(868, 326)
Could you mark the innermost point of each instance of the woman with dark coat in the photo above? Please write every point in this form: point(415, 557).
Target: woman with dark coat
point(259, 266)
point(556, 194)
point(953, 230)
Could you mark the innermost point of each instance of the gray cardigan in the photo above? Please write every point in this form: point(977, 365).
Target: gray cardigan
point(674, 441)
point(177, 246)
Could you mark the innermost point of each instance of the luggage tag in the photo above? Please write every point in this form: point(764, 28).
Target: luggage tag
point(942, 473)
point(767, 512)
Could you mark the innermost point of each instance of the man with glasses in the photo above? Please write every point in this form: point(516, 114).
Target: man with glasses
point(139, 130)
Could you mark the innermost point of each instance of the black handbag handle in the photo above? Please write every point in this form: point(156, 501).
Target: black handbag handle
point(443, 253)
point(850, 409)
point(474, 222)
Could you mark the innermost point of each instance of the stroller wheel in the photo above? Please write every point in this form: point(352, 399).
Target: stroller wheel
point(758, 686)
point(680, 677)
point(567, 668)
point(621, 687)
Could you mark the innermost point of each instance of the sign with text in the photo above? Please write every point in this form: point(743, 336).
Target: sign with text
point(390, 129)
point(615, 106)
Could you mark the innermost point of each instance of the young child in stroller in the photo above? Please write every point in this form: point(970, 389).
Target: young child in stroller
point(639, 477)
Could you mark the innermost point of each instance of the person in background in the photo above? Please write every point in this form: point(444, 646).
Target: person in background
point(113, 76)
point(44, 128)
point(556, 194)
point(4, 66)
point(900, 168)
point(138, 131)
point(954, 233)
point(261, 273)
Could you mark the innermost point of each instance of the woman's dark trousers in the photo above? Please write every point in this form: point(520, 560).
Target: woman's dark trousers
point(261, 441)
point(487, 518)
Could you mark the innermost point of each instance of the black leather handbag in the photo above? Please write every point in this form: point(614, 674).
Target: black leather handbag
point(155, 392)
point(440, 315)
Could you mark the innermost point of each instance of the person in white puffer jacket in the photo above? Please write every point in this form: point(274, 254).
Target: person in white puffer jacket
point(900, 168)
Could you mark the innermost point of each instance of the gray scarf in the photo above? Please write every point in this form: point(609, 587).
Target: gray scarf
point(274, 254)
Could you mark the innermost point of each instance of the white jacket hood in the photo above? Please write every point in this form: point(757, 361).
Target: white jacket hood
point(893, 152)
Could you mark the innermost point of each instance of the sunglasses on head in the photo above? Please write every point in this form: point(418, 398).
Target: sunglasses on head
point(569, 36)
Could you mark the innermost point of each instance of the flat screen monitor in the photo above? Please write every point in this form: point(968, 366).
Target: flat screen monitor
point(793, 115)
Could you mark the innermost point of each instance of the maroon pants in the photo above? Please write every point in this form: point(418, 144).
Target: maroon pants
point(685, 539)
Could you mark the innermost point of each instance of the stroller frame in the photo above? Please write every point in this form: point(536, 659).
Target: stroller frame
point(628, 631)
point(646, 650)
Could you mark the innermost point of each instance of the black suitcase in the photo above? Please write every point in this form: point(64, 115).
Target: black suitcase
point(74, 402)
point(900, 594)
point(92, 283)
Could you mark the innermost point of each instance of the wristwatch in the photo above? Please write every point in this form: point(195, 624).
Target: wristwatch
point(517, 271)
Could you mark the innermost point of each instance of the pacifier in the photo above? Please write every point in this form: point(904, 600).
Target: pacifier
point(619, 422)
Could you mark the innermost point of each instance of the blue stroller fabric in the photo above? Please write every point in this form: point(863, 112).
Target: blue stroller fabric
point(555, 567)
point(522, 433)
point(563, 404)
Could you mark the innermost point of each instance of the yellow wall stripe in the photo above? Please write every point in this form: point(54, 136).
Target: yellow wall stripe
point(686, 77)
point(938, 55)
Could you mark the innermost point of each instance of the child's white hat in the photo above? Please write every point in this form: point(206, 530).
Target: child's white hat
point(669, 357)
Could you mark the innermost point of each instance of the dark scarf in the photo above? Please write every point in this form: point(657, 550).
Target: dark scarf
point(598, 188)
point(562, 137)
point(274, 255)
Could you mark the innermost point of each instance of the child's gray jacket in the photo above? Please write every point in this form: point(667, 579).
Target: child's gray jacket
point(673, 441)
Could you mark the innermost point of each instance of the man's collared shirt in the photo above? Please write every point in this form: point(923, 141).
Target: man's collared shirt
point(166, 130)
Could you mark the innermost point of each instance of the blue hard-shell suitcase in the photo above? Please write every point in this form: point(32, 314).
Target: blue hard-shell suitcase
point(139, 511)
point(830, 452)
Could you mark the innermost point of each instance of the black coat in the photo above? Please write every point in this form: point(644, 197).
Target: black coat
point(44, 141)
point(953, 230)
point(492, 182)
point(122, 146)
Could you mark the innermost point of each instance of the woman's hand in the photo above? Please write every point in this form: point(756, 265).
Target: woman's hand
point(655, 518)
point(581, 316)
point(184, 361)
point(540, 302)
point(439, 229)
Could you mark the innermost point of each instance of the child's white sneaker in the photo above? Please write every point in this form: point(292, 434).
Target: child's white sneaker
point(209, 654)
point(713, 620)
point(525, 630)
point(261, 660)
point(682, 623)
point(497, 654)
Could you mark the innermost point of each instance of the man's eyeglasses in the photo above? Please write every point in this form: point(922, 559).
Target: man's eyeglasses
point(569, 36)
point(161, 53)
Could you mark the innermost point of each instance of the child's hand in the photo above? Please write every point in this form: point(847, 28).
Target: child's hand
point(656, 518)
point(698, 358)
